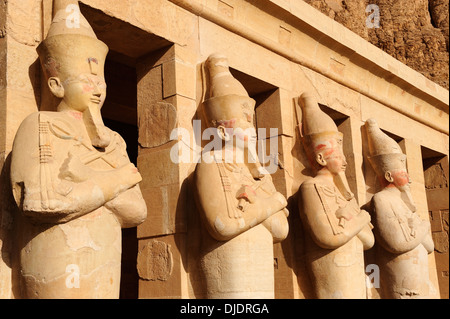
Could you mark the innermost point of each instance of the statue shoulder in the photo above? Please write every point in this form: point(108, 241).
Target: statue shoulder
point(314, 184)
point(28, 129)
point(205, 170)
point(381, 197)
point(30, 121)
point(308, 183)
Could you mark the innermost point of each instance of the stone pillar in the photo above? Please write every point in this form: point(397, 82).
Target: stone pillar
point(5, 269)
point(20, 26)
point(275, 112)
point(166, 100)
point(436, 184)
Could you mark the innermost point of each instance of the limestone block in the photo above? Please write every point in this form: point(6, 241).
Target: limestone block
point(332, 94)
point(163, 17)
point(164, 211)
point(23, 68)
point(164, 256)
point(244, 55)
point(24, 19)
point(178, 79)
point(155, 261)
point(186, 110)
point(157, 167)
point(156, 122)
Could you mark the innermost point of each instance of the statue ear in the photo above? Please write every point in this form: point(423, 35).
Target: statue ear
point(221, 130)
point(321, 159)
point(56, 87)
point(388, 177)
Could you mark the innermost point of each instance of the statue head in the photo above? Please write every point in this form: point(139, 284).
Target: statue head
point(228, 108)
point(388, 161)
point(323, 143)
point(321, 139)
point(73, 61)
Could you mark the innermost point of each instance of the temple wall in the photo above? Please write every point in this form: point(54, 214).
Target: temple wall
point(277, 49)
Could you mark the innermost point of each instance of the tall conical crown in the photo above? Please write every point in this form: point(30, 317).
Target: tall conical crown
point(314, 119)
point(317, 126)
point(384, 152)
point(228, 98)
point(379, 142)
point(71, 46)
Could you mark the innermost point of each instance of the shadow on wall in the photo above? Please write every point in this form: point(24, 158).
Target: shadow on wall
point(8, 209)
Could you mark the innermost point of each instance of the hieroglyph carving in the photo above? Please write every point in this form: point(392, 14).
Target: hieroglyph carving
point(71, 176)
point(337, 230)
point(242, 213)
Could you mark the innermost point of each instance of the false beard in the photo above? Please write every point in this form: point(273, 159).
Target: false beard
point(97, 130)
point(340, 180)
point(405, 194)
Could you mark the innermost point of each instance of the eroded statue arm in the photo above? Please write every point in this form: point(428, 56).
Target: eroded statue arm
point(213, 205)
point(129, 207)
point(394, 235)
point(365, 235)
point(315, 218)
point(278, 225)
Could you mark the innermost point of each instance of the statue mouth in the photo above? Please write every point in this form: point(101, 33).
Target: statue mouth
point(96, 100)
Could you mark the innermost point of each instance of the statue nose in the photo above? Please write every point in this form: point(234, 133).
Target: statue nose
point(97, 92)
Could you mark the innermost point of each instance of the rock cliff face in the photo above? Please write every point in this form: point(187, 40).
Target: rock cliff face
point(416, 32)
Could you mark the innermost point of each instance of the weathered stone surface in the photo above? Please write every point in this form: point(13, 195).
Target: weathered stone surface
point(407, 31)
point(156, 122)
point(281, 46)
point(155, 261)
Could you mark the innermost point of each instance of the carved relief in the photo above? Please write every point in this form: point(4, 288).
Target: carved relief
point(403, 238)
point(155, 261)
point(71, 176)
point(337, 230)
point(242, 213)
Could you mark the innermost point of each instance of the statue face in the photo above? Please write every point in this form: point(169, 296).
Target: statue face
point(400, 179)
point(245, 131)
point(84, 91)
point(241, 129)
point(332, 156)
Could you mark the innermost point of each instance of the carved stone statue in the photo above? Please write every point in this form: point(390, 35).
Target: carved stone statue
point(403, 238)
point(71, 177)
point(337, 230)
point(242, 213)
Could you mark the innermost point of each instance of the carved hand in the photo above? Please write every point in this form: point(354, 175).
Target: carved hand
point(343, 212)
point(129, 175)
